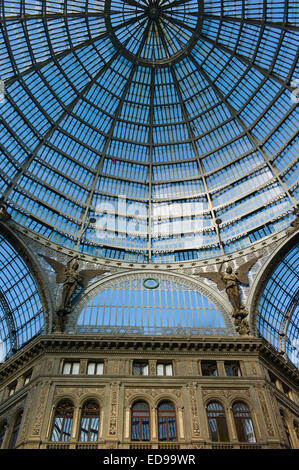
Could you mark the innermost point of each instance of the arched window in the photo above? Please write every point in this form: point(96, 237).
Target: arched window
point(286, 429)
point(243, 423)
point(170, 307)
point(217, 423)
point(2, 433)
point(140, 422)
point(296, 429)
point(62, 425)
point(167, 422)
point(15, 431)
point(90, 421)
point(277, 317)
point(21, 311)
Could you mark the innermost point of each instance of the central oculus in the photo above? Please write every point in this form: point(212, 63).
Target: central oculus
point(154, 12)
point(154, 33)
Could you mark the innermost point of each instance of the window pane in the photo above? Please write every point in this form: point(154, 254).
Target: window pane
point(67, 368)
point(91, 368)
point(100, 368)
point(135, 429)
point(76, 367)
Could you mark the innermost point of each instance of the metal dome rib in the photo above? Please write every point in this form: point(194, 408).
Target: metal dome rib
point(204, 133)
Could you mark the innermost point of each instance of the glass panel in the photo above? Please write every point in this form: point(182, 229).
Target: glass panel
point(67, 367)
point(152, 311)
point(76, 368)
point(278, 310)
point(155, 119)
point(100, 368)
point(91, 368)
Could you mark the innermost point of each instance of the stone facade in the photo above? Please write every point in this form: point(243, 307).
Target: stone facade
point(117, 389)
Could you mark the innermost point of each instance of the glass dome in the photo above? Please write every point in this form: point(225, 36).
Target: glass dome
point(21, 311)
point(151, 131)
point(278, 307)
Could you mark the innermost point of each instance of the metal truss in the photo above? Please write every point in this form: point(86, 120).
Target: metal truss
point(152, 100)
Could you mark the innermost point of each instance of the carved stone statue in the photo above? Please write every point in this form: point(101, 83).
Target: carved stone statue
point(4, 215)
point(294, 225)
point(70, 277)
point(229, 281)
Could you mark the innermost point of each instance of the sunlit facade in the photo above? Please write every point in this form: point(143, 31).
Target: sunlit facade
point(149, 280)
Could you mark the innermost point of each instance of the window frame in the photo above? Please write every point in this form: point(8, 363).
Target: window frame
point(235, 365)
point(167, 414)
point(13, 438)
point(144, 413)
point(164, 365)
point(71, 363)
point(90, 415)
point(142, 366)
point(96, 365)
point(221, 422)
point(206, 363)
point(67, 414)
point(239, 422)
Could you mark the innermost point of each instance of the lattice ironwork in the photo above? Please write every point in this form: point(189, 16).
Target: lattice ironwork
point(185, 108)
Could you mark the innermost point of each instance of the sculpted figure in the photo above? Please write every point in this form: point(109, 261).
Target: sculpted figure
point(70, 277)
point(294, 225)
point(229, 281)
point(4, 215)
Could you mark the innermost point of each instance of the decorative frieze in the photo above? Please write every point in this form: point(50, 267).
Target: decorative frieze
point(114, 393)
point(116, 365)
point(227, 393)
point(41, 407)
point(265, 411)
point(192, 388)
point(155, 392)
point(78, 391)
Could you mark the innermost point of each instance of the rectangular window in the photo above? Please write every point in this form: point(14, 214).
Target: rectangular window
point(209, 368)
point(71, 368)
point(232, 369)
point(12, 388)
point(27, 378)
point(164, 368)
point(140, 368)
point(95, 368)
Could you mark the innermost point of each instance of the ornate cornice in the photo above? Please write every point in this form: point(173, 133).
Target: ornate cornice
point(86, 344)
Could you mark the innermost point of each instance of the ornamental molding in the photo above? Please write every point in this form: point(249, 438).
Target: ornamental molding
point(219, 393)
point(269, 425)
point(192, 389)
point(80, 393)
point(114, 400)
point(154, 395)
point(39, 240)
point(113, 345)
point(41, 407)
